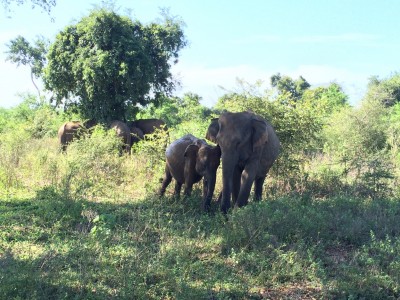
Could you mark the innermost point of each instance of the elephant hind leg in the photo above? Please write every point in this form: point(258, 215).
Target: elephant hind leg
point(166, 181)
point(178, 187)
point(258, 187)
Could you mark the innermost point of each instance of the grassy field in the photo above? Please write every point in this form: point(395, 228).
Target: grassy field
point(87, 225)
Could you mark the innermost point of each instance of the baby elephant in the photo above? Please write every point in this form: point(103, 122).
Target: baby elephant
point(188, 159)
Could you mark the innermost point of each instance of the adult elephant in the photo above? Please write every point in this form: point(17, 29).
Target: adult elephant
point(188, 160)
point(122, 130)
point(68, 132)
point(249, 147)
point(72, 130)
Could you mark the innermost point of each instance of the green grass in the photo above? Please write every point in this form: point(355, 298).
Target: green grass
point(87, 225)
point(150, 248)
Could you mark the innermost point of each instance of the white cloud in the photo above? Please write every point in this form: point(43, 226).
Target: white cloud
point(206, 81)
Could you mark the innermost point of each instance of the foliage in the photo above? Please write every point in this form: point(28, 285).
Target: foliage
point(327, 99)
point(21, 52)
point(91, 165)
point(289, 88)
point(183, 115)
point(86, 224)
point(386, 91)
point(175, 110)
point(358, 139)
point(106, 64)
point(297, 123)
point(34, 115)
point(53, 247)
point(46, 5)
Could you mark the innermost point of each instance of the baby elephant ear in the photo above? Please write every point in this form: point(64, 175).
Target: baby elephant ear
point(260, 134)
point(191, 151)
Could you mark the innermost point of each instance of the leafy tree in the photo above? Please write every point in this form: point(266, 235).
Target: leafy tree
point(357, 139)
point(22, 52)
point(327, 99)
point(175, 110)
point(387, 91)
point(107, 64)
point(46, 5)
point(35, 117)
point(287, 87)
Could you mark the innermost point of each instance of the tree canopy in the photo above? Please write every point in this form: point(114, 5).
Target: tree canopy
point(106, 64)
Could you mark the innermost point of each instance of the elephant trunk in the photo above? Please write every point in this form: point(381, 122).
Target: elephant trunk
point(229, 162)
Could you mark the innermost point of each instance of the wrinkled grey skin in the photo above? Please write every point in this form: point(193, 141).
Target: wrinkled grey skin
point(249, 147)
point(188, 160)
point(122, 131)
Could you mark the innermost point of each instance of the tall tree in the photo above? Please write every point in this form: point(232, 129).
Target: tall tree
point(34, 56)
point(106, 64)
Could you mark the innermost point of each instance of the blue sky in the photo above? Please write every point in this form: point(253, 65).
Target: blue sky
point(343, 41)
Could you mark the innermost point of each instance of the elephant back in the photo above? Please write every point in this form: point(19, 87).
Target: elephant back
point(177, 148)
point(147, 126)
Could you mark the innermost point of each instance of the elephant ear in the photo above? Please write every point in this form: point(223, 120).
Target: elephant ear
point(190, 159)
point(191, 151)
point(260, 134)
point(212, 131)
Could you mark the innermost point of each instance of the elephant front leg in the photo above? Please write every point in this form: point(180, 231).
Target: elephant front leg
point(248, 176)
point(236, 184)
point(206, 196)
point(188, 189)
point(208, 192)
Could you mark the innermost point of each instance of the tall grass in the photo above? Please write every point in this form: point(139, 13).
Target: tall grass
point(86, 224)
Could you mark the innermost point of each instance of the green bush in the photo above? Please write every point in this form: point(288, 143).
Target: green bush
point(91, 166)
